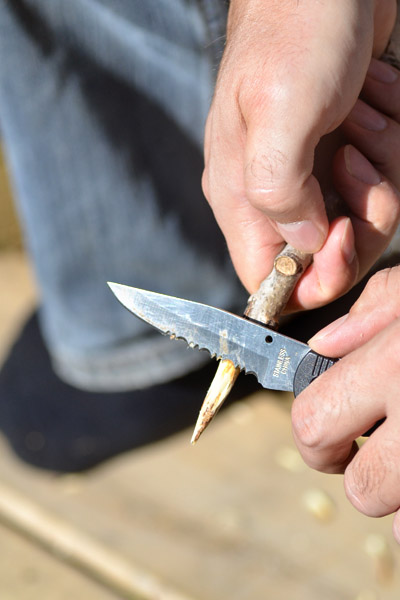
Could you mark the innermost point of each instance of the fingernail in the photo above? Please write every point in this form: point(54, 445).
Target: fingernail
point(329, 329)
point(302, 235)
point(382, 72)
point(359, 167)
point(367, 117)
point(347, 245)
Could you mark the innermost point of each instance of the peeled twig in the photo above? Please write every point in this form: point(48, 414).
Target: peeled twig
point(219, 390)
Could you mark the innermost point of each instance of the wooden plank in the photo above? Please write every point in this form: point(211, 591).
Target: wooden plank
point(28, 573)
point(72, 545)
point(234, 524)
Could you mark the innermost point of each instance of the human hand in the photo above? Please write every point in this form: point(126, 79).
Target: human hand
point(371, 195)
point(290, 74)
point(353, 395)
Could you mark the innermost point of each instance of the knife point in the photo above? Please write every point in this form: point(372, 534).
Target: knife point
point(114, 287)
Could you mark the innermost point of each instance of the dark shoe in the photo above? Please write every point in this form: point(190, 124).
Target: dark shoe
point(54, 426)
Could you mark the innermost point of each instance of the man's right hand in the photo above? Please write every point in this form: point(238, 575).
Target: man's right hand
point(358, 391)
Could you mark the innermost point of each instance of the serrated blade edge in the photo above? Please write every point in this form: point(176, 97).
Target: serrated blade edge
point(223, 334)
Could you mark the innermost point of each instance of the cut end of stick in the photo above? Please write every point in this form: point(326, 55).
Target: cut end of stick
point(288, 265)
point(220, 387)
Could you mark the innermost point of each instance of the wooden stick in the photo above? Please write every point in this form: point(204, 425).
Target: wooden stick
point(221, 385)
point(268, 303)
point(266, 306)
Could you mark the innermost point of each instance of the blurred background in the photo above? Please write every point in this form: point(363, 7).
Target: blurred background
point(238, 516)
point(10, 235)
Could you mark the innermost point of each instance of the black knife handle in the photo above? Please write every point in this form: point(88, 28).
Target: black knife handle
point(310, 368)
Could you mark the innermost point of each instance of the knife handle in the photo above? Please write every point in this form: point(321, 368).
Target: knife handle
point(310, 368)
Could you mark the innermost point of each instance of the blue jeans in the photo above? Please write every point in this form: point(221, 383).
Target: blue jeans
point(102, 109)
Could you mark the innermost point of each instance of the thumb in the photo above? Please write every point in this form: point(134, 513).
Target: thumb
point(279, 182)
point(375, 309)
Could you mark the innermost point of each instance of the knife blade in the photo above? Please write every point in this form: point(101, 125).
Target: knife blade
point(278, 361)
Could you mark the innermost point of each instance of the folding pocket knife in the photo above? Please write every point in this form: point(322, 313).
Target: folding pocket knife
point(279, 362)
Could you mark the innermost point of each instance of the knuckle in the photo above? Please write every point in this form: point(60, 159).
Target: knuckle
point(263, 200)
point(266, 166)
point(361, 481)
point(306, 426)
point(252, 98)
point(383, 285)
point(372, 479)
point(272, 199)
point(376, 282)
point(315, 421)
point(375, 289)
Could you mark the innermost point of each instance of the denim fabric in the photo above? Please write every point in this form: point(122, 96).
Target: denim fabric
point(102, 109)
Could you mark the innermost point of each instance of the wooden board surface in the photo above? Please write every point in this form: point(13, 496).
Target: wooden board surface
point(238, 516)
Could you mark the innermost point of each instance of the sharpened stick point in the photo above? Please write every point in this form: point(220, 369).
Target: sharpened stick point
point(220, 387)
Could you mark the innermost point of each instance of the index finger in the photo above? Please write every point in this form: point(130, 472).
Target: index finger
point(346, 401)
